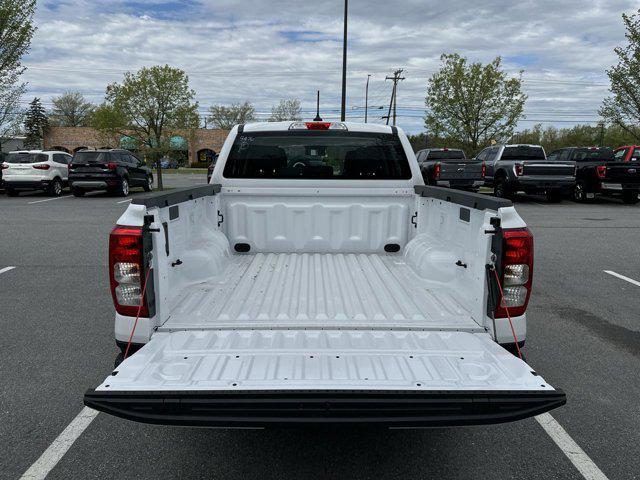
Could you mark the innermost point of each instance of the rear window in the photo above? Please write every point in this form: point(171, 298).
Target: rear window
point(317, 155)
point(85, 157)
point(26, 158)
point(586, 154)
point(446, 155)
point(523, 152)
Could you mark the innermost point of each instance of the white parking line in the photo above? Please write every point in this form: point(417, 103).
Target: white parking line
point(125, 201)
point(622, 277)
point(587, 468)
point(52, 455)
point(49, 199)
point(6, 269)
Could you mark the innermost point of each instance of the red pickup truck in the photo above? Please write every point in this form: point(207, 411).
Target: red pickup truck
point(628, 153)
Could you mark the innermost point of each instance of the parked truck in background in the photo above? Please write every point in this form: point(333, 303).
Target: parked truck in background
point(449, 167)
point(627, 153)
point(317, 280)
point(599, 173)
point(524, 168)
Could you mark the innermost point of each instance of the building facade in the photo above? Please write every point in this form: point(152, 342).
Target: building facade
point(198, 145)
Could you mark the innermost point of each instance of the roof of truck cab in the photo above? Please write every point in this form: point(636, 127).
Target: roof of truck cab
point(284, 126)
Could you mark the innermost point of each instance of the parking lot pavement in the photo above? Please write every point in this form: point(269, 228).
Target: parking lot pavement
point(56, 319)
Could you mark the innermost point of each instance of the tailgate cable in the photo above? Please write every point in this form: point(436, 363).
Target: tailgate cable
point(506, 309)
point(144, 290)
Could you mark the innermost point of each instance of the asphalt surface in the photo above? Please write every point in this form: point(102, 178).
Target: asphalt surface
point(56, 319)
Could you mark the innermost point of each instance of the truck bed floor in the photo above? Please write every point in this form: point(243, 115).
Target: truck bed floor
point(284, 290)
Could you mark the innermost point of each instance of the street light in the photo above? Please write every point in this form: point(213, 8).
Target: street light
point(366, 99)
point(344, 62)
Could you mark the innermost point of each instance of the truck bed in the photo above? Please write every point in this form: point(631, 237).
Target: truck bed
point(284, 290)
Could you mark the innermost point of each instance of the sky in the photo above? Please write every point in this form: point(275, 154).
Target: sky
point(264, 51)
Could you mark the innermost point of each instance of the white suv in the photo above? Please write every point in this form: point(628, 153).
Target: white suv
point(35, 170)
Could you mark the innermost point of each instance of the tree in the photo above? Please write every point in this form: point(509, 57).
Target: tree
point(148, 106)
point(286, 110)
point(36, 124)
point(16, 31)
point(225, 118)
point(472, 102)
point(71, 110)
point(622, 108)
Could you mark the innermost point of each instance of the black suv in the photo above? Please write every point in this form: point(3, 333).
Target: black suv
point(113, 170)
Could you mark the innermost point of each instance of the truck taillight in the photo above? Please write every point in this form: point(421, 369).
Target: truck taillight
point(317, 126)
point(484, 170)
point(127, 271)
point(601, 170)
point(517, 272)
point(44, 166)
point(437, 168)
point(518, 169)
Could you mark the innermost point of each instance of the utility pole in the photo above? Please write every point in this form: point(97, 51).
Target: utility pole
point(366, 99)
point(344, 62)
point(394, 95)
point(601, 125)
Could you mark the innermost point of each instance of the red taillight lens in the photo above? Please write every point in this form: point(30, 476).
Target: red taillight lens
point(318, 125)
point(517, 272)
point(127, 271)
point(44, 166)
point(484, 170)
point(601, 170)
point(518, 168)
point(437, 168)
point(112, 165)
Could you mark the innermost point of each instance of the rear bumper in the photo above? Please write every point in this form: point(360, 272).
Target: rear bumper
point(41, 184)
point(89, 184)
point(618, 187)
point(461, 183)
point(546, 183)
point(408, 409)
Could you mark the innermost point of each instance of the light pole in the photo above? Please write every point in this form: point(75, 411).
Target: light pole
point(344, 62)
point(366, 99)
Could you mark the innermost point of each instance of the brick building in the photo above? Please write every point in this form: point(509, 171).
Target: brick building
point(194, 145)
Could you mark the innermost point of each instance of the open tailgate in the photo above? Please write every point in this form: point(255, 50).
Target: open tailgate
point(255, 378)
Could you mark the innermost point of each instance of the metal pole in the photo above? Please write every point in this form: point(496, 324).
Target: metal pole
point(344, 62)
point(366, 100)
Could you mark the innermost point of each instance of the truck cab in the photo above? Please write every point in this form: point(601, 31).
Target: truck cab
point(317, 280)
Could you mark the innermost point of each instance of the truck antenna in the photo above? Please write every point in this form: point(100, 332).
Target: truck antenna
point(318, 117)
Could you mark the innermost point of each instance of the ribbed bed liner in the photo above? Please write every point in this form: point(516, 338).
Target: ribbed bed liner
point(318, 290)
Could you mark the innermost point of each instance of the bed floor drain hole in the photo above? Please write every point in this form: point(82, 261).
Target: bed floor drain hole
point(242, 247)
point(392, 248)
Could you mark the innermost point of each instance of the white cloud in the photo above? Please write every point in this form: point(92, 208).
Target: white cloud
point(266, 50)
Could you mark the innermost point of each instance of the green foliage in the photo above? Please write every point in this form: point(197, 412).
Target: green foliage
point(286, 110)
point(71, 110)
point(148, 106)
point(473, 103)
point(16, 31)
point(622, 109)
point(552, 138)
point(225, 118)
point(36, 124)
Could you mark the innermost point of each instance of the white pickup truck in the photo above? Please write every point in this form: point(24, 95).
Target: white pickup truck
point(317, 280)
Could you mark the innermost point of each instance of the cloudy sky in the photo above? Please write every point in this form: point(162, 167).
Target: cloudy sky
point(263, 51)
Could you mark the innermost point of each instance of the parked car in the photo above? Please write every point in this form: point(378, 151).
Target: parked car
point(108, 169)
point(628, 153)
point(449, 167)
point(211, 167)
point(169, 163)
point(28, 170)
point(347, 293)
point(598, 173)
point(2, 157)
point(525, 168)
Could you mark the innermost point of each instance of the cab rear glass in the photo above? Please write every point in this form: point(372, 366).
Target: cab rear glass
point(26, 158)
point(586, 154)
point(84, 158)
point(446, 155)
point(523, 152)
point(317, 155)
